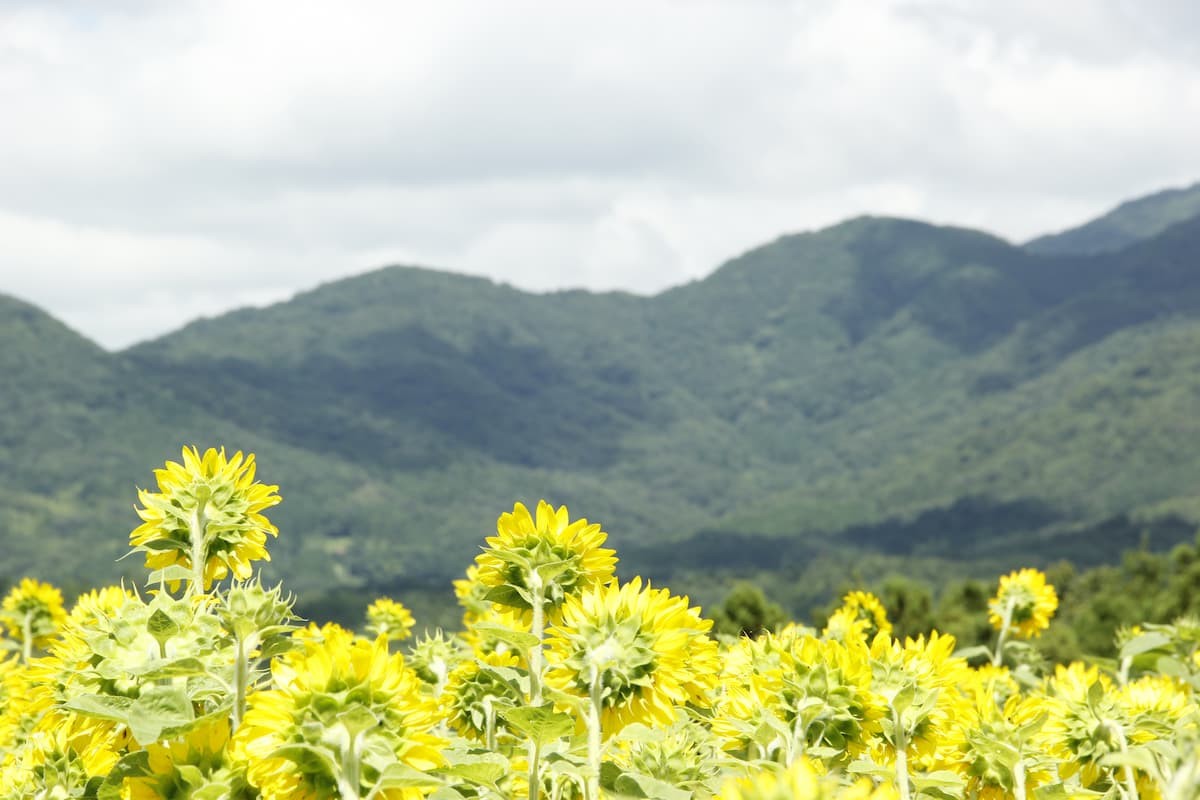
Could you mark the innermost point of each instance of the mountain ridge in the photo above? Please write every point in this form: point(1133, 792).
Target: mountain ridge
point(862, 389)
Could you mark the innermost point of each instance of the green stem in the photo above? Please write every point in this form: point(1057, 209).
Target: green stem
point(489, 721)
point(27, 638)
point(349, 780)
point(1019, 780)
point(1123, 673)
point(539, 631)
point(998, 656)
point(197, 530)
point(241, 678)
point(900, 738)
point(799, 735)
point(535, 675)
point(1130, 781)
point(593, 726)
point(535, 785)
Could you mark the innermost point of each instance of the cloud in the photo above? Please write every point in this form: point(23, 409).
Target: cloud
point(214, 154)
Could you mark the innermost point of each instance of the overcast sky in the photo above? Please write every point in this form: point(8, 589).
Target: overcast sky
point(164, 160)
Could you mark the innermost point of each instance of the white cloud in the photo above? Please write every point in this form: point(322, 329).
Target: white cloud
point(212, 154)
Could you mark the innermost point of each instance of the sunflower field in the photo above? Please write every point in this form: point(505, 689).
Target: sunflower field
point(563, 683)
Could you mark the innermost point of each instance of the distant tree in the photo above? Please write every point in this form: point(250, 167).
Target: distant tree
point(747, 612)
point(962, 610)
point(909, 606)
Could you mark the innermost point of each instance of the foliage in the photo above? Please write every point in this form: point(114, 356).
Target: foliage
point(883, 394)
point(566, 682)
point(747, 612)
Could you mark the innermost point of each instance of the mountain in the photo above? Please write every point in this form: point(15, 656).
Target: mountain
point(877, 395)
point(1127, 223)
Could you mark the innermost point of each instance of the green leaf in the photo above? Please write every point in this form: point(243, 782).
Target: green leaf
point(1144, 644)
point(509, 595)
point(1062, 791)
point(552, 570)
point(131, 765)
point(637, 732)
point(191, 774)
point(402, 776)
point(864, 766)
point(638, 785)
point(479, 767)
point(1133, 757)
point(941, 779)
point(1171, 667)
point(357, 719)
point(175, 572)
point(521, 640)
point(978, 651)
point(161, 626)
point(102, 706)
point(447, 793)
point(542, 724)
point(307, 755)
point(904, 698)
point(158, 709)
point(178, 668)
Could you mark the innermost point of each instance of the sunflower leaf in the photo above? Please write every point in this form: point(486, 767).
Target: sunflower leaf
point(1144, 644)
point(159, 708)
point(542, 724)
point(519, 639)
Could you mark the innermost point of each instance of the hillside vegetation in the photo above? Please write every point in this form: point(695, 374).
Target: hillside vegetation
point(880, 393)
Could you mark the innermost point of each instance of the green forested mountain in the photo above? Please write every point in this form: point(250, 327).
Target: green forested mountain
point(1127, 223)
point(881, 393)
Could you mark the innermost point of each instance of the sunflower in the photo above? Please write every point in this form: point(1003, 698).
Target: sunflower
point(648, 651)
point(92, 606)
point(33, 613)
point(58, 761)
point(470, 594)
point(996, 741)
point(186, 766)
point(1159, 707)
point(1086, 722)
point(685, 755)
point(386, 617)
point(564, 558)
point(920, 680)
point(207, 509)
point(804, 780)
point(433, 655)
point(132, 650)
point(490, 631)
point(861, 617)
point(479, 688)
point(1024, 604)
point(16, 718)
point(343, 710)
point(817, 690)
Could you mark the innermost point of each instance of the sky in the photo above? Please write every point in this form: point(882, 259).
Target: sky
point(163, 161)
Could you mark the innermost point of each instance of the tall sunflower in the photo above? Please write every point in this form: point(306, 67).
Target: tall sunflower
point(1024, 604)
point(206, 517)
point(561, 557)
point(860, 617)
point(192, 765)
point(648, 651)
point(343, 709)
point(818, 690)
point(920, 679)
point(389, 618)
point(33, 614)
